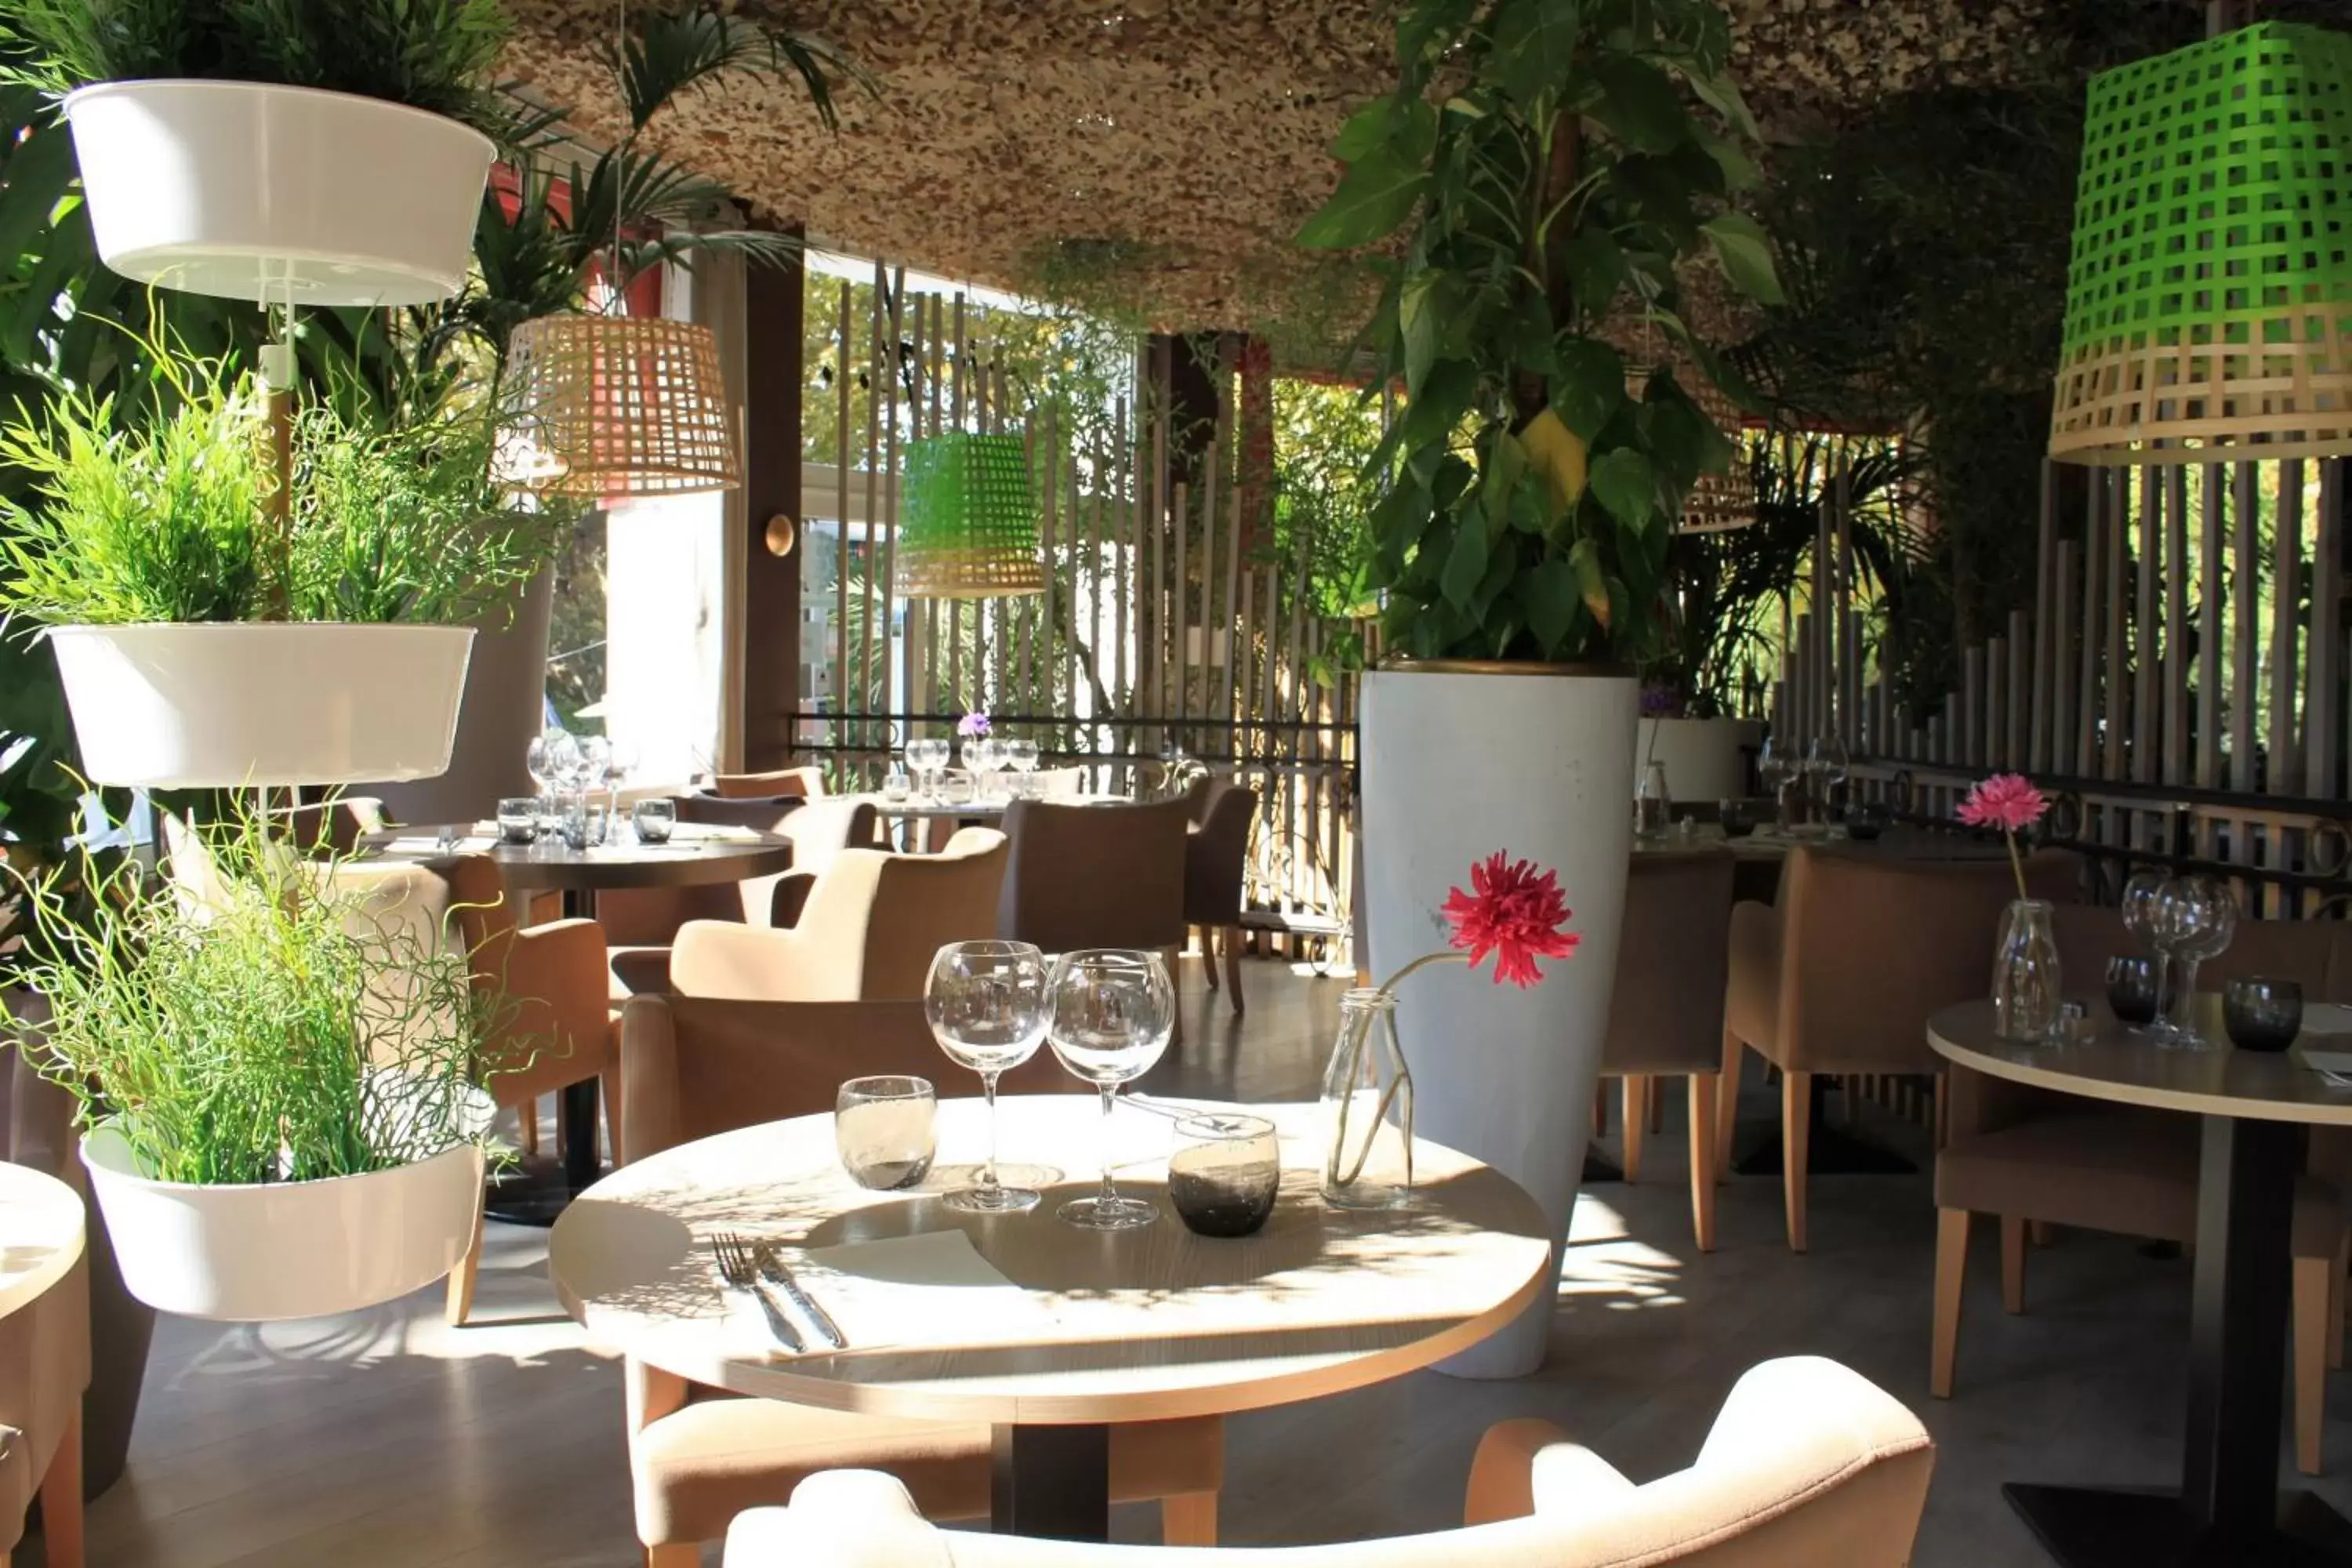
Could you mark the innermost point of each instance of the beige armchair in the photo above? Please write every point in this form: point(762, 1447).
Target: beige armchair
point(867, 930)
point(44, 1370)
point(805, 783)
point(1843, 973)
point(1808, 1466)
point(694, 1068)
point(1666, 1017)
point(2035, 1156)
point(1095, 876)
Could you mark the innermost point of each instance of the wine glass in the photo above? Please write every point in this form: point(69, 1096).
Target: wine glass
point(1825, 766)
point(927, 758)
point(1775, 768)
point(2143, 896)
point(1114, 1010)
point(1021, 757)
point(2197, 916)
point(981, 757)
point(989, 1003)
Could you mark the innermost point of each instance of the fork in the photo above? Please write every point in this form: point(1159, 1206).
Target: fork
point(740, 1268)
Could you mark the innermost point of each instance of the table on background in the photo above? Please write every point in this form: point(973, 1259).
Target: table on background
point(1150, 1324)
point(2228, 1509)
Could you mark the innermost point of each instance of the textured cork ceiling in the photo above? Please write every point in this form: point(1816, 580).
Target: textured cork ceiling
point(1182, 139)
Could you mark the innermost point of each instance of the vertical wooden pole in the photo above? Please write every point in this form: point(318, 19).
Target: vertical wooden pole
point(772, 322)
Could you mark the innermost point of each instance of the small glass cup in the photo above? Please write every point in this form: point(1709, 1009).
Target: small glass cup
point(550, 810)
point(883, 1128)
point(2261, 1014)
point(518, 819)
point(572, 818)
point(895, 785)
point(655, 820)
point(1224, 1174)
point(955, 787)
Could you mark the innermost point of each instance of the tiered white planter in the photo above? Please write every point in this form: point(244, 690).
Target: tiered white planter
point(1458, 763)
point(224, 705)
point(250, 191)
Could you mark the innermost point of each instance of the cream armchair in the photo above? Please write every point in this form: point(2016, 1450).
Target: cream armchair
point(1808, 1464)
point(867, 931)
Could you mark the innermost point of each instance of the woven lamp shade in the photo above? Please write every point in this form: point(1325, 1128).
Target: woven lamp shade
point(2209, 299)
point(968, 519)
point(610, 407)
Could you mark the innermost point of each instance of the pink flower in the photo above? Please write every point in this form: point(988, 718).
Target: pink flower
point(1513, 913)
point(972, 725)
point(2006, 801)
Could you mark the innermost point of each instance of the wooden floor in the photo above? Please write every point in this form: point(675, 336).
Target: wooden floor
point(386, 1440)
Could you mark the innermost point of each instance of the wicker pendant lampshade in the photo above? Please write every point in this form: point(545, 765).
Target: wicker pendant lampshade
point(2210, 299)
point(968, 521)
point(611, 406)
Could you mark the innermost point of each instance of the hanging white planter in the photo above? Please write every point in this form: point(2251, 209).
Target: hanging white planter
point(272, 1250)
point(1458, 762)
point(226, 704)
point(252, 191)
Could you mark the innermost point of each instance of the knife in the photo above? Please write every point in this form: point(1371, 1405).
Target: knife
point(773, 1267)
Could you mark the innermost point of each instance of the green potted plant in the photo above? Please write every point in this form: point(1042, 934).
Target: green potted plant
point(152, 557)
point(274, 1065)
point(1539, 173)
point(291, 154)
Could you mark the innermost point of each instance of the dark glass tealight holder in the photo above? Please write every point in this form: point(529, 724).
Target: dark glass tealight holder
point(2261, 1014)
point(1224, 1174)
point(2132, 989)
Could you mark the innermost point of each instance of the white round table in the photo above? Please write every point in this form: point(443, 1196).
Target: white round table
point(1148, 1324)
point(41, 1232)
point(2228, 1509)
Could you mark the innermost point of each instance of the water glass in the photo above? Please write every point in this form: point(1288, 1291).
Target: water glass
point(1224, 1174)
point(2143, 894)
point(598, 826)
point(2261, 1014)
point(2196, 916)
point(927, 758)
point(893, 786)
point(518, 819)
point(1114, 1010)
point(989, 1003)
point(2135, 988)
point(1776, 769)
point(956, 787)
point(655, 820)
point(571, 819)
point(883, 1128)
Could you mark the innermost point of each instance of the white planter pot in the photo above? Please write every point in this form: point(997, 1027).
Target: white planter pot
point(1457, 765)
point(221, 705)
point(250, 191)
point(285, 1249)
point(1701, 756)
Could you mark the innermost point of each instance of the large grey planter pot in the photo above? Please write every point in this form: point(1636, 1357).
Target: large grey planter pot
point(500, 712)
point(41, 1134)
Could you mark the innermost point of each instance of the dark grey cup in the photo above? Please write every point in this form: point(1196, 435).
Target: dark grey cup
point(2261, 1014)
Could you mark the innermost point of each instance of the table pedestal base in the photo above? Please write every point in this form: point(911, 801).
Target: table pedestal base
point(2098, 1527)
point(1052, 1482)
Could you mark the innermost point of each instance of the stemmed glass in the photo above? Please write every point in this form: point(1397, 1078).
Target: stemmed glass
point(1825, 767)
point(1114, 1010)
point(1775, 769)
point(2143, 897)
point(2196, 917)
point(983, 755)
point(1021, 757)
point(989, 1003)
point(927, 758)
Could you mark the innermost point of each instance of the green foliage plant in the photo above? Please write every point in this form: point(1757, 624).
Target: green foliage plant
point(169, 521)
point(1539, 172)
point(280, 1027)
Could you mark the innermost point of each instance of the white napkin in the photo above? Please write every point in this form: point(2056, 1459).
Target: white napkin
point(931, 1291)
point(428, 845)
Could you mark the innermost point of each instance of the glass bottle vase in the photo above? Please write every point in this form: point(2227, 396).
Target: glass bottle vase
point(1367, 1107)
point(2026, 987)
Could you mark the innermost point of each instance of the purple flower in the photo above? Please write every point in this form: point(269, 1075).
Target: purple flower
point(972, 725)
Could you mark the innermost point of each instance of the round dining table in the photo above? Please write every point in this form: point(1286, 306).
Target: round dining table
point(2254, 1106)
point(1084, 1330)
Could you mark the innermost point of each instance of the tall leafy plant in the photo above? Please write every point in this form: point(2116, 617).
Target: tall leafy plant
point(1542, 169)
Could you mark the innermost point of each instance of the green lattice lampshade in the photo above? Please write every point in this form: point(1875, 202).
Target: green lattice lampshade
point(2209, 302)
point(968, 519)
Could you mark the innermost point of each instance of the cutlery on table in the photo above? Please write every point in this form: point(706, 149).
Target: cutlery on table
point(772, 1268)
point(740, 1270)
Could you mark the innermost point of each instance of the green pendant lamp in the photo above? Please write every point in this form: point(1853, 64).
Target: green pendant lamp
point(2209, 309)
point(968, 519)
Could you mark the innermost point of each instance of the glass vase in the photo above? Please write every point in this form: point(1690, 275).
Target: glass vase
point(1367, 1107)
point(2026, 989)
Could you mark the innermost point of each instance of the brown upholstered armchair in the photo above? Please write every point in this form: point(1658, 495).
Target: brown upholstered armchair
point(2035, 1156)
point(1842, 973)
point(870, 925)
point(1217, 846)
point(1666, 1017)
point(1808, 1466)
point(1095, 876)
point(805, 783)
point(693, 1068)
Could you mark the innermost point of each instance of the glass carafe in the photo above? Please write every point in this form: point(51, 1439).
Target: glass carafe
point(1653, 808)
point(1367, 1107)
point(2025, 982)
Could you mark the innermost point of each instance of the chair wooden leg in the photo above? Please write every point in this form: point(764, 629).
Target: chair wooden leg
point(1635, 1116)
point(1233, 942)
point(1702, 1159)
point(61, 1499)
point(526, 1120)
point(2013, 1263)
point(2308, 1374)
point(1727, 1102)
point(1943, 1106)
point(460, 1304)
point(1189, 1520)
point(677, 1554)
point(2336, 1304)
point(1207, 938)
point(1796, 1139)
point(1951, 1270)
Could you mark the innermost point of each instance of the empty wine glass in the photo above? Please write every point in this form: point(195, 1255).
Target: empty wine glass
point(983, 755)
point(989, 1003)
point(1021, 757)
point(1114, 1010)
point(927, 758)
point(1776, 769)
point(2197, 916)
point(2143, 897)
point(1825, 767)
